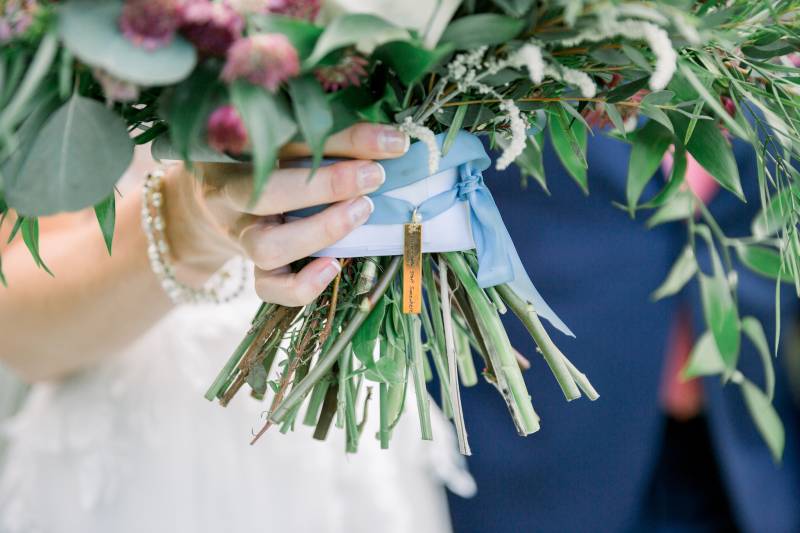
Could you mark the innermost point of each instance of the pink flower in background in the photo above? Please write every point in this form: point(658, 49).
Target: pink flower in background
point(114, 89)
point(226, 131)
point(727, 103)
point(301, 9)
point(268, 60)
point(150, 23)
point(15, 18)
point(211, 26)
point(348, 72)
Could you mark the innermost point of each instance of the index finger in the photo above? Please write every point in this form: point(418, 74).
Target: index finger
point(360, 141)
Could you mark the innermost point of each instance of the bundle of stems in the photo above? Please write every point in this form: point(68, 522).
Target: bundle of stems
point(329, 355)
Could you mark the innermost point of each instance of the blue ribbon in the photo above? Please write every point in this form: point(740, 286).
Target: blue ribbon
point(498, 260)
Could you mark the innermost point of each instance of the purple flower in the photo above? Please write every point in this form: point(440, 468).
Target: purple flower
point(211, 27)
point(268, 60)
point(348, 72)
point(300, 9)
point(226, 131)
point(16, 17)
point(150, 23)
point(114, 89)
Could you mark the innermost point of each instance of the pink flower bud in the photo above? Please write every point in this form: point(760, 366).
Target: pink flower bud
point(226, 131)
point(728, 104)
point(300, 9)
point(268, 60)
point(211, 27)
point(150, 23)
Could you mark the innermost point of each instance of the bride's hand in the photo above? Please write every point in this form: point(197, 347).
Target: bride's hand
point(212, 218)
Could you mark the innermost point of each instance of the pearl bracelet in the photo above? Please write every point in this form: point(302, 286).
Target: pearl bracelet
point(158, 252)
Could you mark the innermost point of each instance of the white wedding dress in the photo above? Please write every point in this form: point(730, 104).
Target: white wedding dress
point(131, 446)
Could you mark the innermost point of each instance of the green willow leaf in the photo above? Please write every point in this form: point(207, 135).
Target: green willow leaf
point(410, 60)
point(105, 212)
point(755, 332)
point(455, 127)
point(266, 136)
point(530, 161)
point(681, 272)
point(649, 145)
point(679, 207)
point(74, 161)
point(710, 148)
point(777, 213)
point(704, 360)
point(484, 29)
point(676, 178)
point(765, 417)
point(30, 235)
point(313, 113)
point(763, 260)
point(367, 335)
point(721, 315)
point(569, 142)
point(354, 29)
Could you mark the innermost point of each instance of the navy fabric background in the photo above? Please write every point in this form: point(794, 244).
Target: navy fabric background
point(588, 467)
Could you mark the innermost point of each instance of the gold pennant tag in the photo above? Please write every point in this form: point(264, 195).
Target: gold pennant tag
point(412, 266)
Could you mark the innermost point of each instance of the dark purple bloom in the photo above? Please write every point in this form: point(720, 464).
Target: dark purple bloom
point(267, 59)
point(211, 26)
point(150, 23)
point(348, 72)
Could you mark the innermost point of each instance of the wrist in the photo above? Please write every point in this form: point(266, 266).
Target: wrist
point(199, 247)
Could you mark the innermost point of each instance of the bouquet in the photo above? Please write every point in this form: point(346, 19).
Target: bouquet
point(234, 80)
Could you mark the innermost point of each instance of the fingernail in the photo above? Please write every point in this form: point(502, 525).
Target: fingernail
point(360, 209)
point(393, 141)
point(329, 272)
point(370, 176)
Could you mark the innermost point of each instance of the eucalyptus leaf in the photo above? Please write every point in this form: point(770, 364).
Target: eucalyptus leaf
point(365, 31)
point(90, 30)
point(484, 29)
point(74, 162)
point(649, 145)
point(269, 124)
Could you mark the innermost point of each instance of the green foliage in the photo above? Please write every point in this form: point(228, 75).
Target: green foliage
point(313, 113)
point(650, 143)
point(354, 29)
point(766, 418)
point(302, 34)
point(266, 136)
point(569, 141)
point(74, 161)
point(105, 212)
point(682, 271)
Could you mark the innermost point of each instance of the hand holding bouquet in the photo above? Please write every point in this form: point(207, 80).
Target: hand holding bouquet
point(232, 82)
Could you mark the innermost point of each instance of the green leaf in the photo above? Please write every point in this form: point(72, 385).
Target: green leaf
point(12, 114)
point(90, 30)
point(187, 107)
point(569, 142)
point(656, 114)
point(74, 162)
point(367, 335)
point(455, 127)
point(105, 212)
point(710, 148)
point(777, 214)
point(649, 145)
point(474, 31)
point(712, 101)
point(704, 360)
point(313, 113)
point(658, 98)
point(626, 90)
point(530, 161)
point(302, 34)
point(763, 260)
point(721, 316)
point(410, 60)
point(679, 207)
point(767, 421)
point(269, 125)
point(676, 177)
point(681, 272)
point(755, 332)
point(362, 30)
point(30, 235)
point(616, 119)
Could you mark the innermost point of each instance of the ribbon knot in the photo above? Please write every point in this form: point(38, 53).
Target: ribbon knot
point(470, 180)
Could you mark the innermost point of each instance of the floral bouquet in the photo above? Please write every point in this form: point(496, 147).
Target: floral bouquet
point(424, 283)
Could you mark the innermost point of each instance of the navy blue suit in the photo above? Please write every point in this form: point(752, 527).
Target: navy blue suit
point(589, 466)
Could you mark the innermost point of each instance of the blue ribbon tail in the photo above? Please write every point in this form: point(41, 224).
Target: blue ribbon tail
point(498, 260)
